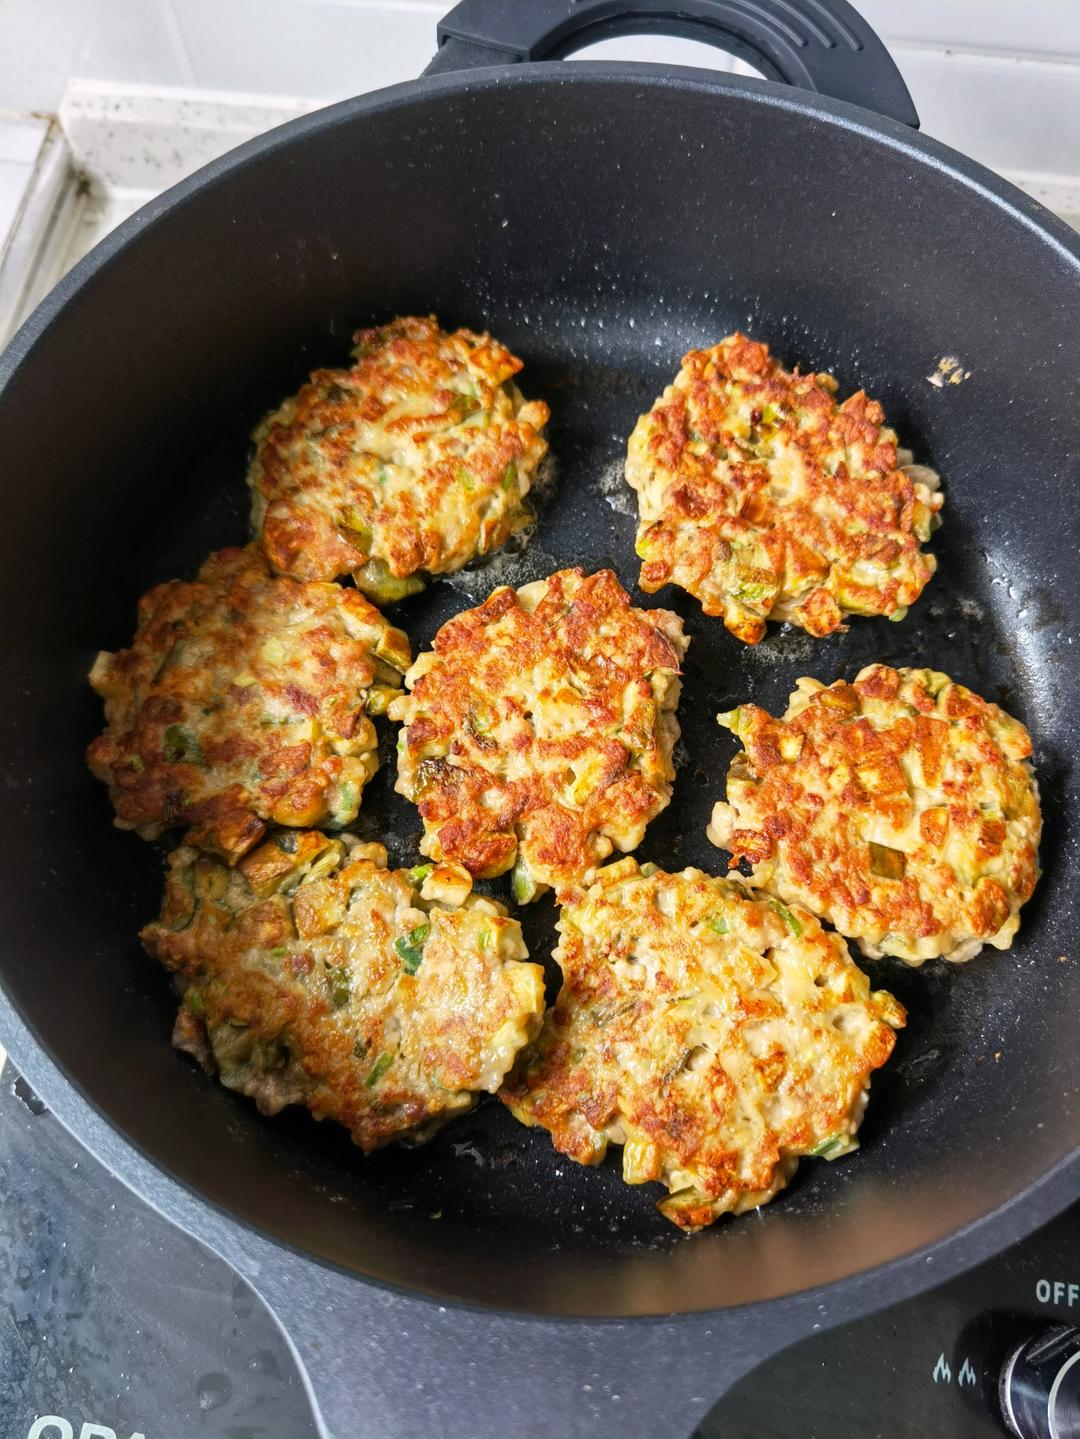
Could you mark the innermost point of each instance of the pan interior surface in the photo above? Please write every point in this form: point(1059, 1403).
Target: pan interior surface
point(600, 228)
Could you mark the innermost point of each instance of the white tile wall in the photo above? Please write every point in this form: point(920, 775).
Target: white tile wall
point(1016, 27)
point(45, 42)
point(305, 47)
point(329, 48)
point(999, 79)
point(1014, 114)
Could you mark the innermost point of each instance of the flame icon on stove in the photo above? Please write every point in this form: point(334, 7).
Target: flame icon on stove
point(942, 1372)
point(966, 1375)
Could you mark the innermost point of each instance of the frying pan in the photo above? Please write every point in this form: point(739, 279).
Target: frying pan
point(601, 219)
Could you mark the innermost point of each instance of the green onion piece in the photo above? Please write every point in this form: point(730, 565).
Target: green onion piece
point(887, 863)
point(411, 947)
point(429, 772)
point(648, 869)
point(375, 580)
point(360, 1047)
point(347, 802)
point(195, 1002)
point(181, 746)
point(356, 522)
point(730, 719)
point(420, 872)
point(522, 885)
point(378, 1069)
point(601, 1016)
point(378, 697)
point(898, 615)
point(460, 408)
point(279, 951)
point(337, 977)
point(753, 592)
point(509, 479)
point(717, 923)
point(465, 479)
point(834, 1146)
point(789, 919)
point(483, 939)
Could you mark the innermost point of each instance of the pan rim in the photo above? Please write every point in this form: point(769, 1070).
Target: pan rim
point(191, 1209)
point(1063, 240)
point(208, 1220)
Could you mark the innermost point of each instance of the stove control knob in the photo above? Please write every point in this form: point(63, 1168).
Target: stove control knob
point(1039, 1388)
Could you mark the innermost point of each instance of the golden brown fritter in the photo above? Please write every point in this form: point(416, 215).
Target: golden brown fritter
point(902, 808)
point(311, 974)
point(411, 463)
point(713, 1032)
point(539, 730)
point(244, 698)
point(766, 499)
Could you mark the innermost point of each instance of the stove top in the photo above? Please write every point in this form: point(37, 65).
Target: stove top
point(116, 1325)
point(112, 1317)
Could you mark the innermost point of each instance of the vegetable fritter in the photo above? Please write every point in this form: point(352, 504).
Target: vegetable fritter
point(245, 698)
point(902, 808)
point(410, 463)
point(539, 730)
point(716, 1034)
point(311, 974)
point(766, 499)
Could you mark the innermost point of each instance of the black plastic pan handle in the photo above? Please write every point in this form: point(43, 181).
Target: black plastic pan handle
point(820, 45)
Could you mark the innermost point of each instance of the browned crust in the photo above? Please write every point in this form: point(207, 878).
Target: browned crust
point(418, 456)
point(305, 981)
point(542, 735)
point(244, 699)
point(716, 1036)
point(903, 759)
point(765, 498)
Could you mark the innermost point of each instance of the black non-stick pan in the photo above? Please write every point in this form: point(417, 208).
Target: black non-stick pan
point(601, 219)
